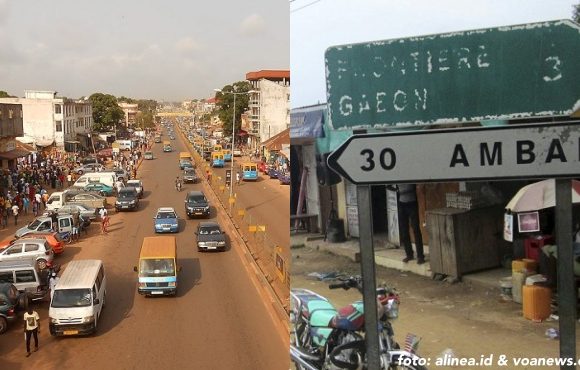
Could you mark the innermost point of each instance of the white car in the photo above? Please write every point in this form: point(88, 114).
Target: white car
point(138, 185)
point(28, 251)
point(237, 153)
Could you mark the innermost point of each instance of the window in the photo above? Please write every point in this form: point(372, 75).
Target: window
point(58, 126)
point(25, 276)
point(58, 109)
point(30, 247)
point(7, 277)
point(14, 249)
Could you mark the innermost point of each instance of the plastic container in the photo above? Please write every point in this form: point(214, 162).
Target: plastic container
point(506, 285)
point(537, 278)
point(536, 302)
point(528, 265)
point(518, 280)
point(533, 246)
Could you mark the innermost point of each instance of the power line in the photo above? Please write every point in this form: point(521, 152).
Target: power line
point(304, 6)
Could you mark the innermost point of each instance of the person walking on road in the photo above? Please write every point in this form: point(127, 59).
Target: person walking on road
point(104, 220)
point(238, 178)
point(31, 328)
point(15, 210)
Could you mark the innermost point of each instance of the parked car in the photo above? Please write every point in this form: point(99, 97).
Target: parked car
point(120, 174)
point(189, 175)
point(10, 299)
point(196, 204)
point(166, 220)
point(272, 172)
point(99, 188)
point(127, 199)
point(89, 200)
point(138, 185)
point(210, 236)
point(52, 238)
point(82, 210)
point(44, 224)
point(89, 167)
point(33, 251)
point(284, 178)
point(148, 155)
point(237, 153)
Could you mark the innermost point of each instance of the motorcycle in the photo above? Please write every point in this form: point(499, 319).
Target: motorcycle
point(328, 339)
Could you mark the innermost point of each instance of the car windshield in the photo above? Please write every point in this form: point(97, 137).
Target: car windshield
point(126, 195)
point(195, 199)
point(164, 215)
point(189, 172)
point(34, 224)
point(209, 230)
point(133, 184)
point(71, 298)
point(157, 267)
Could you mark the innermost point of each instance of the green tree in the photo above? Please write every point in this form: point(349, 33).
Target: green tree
point(576, 14)
point(225, 102)
point(106, 112)
point(144, 119)
point(4, 94)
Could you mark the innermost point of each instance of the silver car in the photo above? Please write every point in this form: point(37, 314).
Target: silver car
point(82, 210)
point(90, 167)
point(32, 251)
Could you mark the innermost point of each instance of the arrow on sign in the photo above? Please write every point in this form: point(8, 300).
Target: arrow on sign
point(469, 154)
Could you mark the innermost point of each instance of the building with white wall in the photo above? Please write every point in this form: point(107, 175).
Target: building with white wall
point(269, 105)
point(51, 120)
point(130, 111)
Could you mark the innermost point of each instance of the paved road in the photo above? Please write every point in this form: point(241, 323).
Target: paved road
point(217, 321)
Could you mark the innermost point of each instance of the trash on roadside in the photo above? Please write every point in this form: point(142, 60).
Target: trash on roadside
point(552, 333)
point(323, 275)
point(446, 355)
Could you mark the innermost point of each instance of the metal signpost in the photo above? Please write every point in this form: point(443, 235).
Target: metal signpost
point(513, 72)
point(469, 154)
point(508, 72)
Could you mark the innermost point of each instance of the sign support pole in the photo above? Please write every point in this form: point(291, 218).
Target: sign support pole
point(566, 288)
point(367, 252)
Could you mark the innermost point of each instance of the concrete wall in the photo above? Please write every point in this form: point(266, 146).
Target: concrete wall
point(274, 109)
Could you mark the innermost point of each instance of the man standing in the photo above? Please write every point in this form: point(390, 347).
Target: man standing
point(409, 216)
point(15, 210)
point(31, 328)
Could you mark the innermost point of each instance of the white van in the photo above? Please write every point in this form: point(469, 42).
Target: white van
point(124, 144)
point(78, 299)
point(107, 178)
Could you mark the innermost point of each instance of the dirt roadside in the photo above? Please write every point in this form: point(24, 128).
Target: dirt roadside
point(471, 320)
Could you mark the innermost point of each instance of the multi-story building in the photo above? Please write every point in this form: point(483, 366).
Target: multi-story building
point(269, 105)
point(130, 111)
point(51, 120)
point(10, 128)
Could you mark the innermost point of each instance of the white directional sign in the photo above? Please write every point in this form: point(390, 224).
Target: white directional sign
point(470, 154)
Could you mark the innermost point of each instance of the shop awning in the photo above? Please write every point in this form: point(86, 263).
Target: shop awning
point(307, 122)
point(44, 142)
point(279, 141)
point(15, 153)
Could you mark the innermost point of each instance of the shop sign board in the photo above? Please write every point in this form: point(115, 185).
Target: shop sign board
point(534, 151)
point(509, 72)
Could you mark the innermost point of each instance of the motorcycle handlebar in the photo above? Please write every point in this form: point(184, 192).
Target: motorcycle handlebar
point(337, 286)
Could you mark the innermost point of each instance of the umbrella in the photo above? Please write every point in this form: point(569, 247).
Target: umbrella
point(539, 195)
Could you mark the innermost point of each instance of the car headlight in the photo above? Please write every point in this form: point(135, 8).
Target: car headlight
point(133, 201)
point(53, 320)
point(88, 319)
point(171, 284)
point(206, 208)
point(142, 285)
point(222, 243)
point(201, 244)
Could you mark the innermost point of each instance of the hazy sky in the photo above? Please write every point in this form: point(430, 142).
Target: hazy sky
point(317, 24)
point(164, 50)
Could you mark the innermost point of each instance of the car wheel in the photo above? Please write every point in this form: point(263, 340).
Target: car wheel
point(3, 325)
point(80, 172)
point(41, 263)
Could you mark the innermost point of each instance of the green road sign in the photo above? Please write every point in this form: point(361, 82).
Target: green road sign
point(529, 70)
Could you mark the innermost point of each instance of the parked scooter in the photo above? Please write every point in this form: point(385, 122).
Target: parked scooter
point(328, 339)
